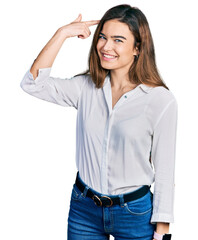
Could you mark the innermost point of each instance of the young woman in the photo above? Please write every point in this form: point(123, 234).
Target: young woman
point(126, 128)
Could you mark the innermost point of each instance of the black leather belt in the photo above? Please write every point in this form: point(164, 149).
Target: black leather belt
point(107, 201)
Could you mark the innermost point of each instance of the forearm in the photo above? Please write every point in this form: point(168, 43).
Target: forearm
point(162, 228)
point(48, 54)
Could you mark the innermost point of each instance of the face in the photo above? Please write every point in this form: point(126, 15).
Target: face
point(115, 46)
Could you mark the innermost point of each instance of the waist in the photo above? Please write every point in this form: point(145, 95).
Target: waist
point(114, 183)
point(109, 200)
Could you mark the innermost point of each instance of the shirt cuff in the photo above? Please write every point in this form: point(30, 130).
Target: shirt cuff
point(28, 84)
point(43, 74)
point(161, 217)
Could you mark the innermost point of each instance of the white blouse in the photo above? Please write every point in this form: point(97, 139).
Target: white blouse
point(121, 149)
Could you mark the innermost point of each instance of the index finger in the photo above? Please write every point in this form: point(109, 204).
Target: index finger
point(92, 22)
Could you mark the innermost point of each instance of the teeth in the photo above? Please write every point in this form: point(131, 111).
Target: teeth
point(108, 56)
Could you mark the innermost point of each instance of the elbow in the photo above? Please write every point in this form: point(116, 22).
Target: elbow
point(22, 85)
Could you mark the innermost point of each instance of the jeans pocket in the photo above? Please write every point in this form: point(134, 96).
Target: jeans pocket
point(140, 206)
point(76, 193)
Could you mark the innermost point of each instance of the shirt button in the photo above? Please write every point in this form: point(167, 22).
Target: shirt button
point(125, 96)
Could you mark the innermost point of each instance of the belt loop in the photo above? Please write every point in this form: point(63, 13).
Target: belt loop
point(85, 191)
point(121, 200)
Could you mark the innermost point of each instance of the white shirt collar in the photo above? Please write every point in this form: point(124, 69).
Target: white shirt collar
point(143, 86)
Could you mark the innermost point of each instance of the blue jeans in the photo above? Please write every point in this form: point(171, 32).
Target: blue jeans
point(130, 220)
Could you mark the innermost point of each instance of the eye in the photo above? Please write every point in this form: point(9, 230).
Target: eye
point(118, 40)
point(102, 37)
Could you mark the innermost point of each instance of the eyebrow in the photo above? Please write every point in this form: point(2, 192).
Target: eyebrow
point(116, 36)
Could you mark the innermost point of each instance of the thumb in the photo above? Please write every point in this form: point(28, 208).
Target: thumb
point(79, 18)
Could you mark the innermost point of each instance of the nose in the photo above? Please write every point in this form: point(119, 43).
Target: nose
point(107, 46)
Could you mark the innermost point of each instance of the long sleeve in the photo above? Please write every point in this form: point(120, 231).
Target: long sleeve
point(163, 155)
point(64, 92)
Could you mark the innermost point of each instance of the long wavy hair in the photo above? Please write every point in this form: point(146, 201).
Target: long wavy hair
point(143, 69)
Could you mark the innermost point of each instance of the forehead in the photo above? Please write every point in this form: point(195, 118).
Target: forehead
point(114, 27)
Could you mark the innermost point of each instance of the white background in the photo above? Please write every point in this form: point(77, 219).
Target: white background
point(37, 149)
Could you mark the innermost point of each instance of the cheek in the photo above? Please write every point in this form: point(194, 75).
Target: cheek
point(127, 52)
point(99, 45)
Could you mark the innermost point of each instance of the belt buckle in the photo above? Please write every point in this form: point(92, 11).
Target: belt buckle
point(111, 202)
point(98, 201)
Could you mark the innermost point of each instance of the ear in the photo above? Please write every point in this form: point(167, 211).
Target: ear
point(136, 51)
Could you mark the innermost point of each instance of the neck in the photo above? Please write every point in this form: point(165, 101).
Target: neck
point(120, 80)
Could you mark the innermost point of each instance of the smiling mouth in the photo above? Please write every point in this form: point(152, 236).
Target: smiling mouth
point(108, 56)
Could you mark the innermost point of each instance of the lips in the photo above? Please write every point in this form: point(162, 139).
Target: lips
point(108, 56)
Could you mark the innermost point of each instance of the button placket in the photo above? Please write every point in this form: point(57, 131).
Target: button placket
point(104, 165)
point(111, 111)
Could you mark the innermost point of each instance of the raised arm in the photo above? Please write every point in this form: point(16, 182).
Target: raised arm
point(48, 54)
point(37, 80)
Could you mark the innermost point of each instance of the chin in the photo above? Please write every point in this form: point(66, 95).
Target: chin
point(107, 66)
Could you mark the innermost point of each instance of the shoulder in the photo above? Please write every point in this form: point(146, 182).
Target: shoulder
point(161, 96)
point(81, 79)
point(159, 100)
point(84, 81)
point(88, 79)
